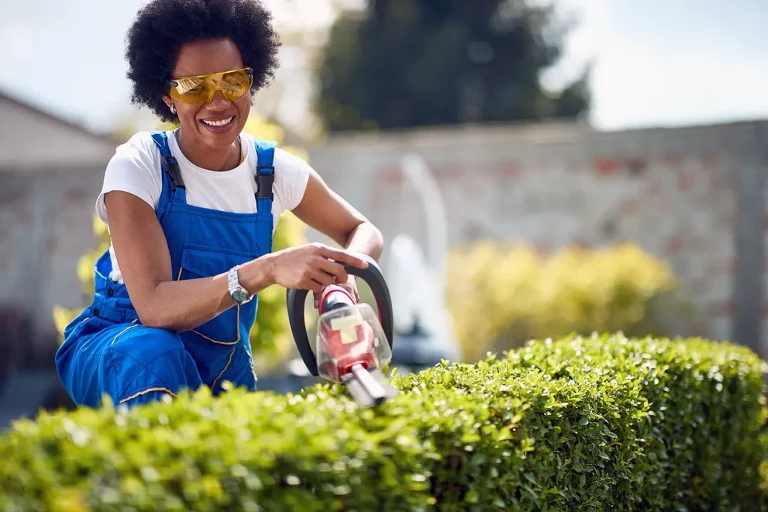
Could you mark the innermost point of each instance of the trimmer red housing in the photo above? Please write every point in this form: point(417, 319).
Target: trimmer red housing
point(353, 343)
point(339, 357)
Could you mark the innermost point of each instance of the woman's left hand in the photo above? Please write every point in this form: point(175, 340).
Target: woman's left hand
point(350, 285)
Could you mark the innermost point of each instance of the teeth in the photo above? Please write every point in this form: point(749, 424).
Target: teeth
point(223, 122)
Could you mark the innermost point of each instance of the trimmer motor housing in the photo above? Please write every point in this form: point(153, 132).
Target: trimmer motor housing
point(352, 344)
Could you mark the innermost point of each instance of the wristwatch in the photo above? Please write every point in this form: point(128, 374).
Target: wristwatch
point(239, 294)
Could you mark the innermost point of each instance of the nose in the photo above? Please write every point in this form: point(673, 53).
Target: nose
point(218, 103)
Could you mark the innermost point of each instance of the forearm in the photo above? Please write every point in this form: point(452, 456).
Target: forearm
point(367, 239)
point(183, 305)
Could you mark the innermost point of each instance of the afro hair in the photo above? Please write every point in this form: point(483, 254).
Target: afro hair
point(163, 26)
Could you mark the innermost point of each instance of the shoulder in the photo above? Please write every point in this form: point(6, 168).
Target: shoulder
point(290, 162)
point(134, 168)
point(288, 166)
point(140, 142)
point(138, 151)
point(137, 161)
point(291, 175)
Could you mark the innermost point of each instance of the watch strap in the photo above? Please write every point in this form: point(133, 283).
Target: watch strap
point(237, 290)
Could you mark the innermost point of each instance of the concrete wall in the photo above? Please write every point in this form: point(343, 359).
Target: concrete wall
point(673, 191)
point(50, 173)
point(45, 226)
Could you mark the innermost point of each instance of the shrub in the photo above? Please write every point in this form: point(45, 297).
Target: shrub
point(580, 424)
point(271, 339)
point(502, 295)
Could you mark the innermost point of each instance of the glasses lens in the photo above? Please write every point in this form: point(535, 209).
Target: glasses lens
point(191, 90)
point(199, 90)
point(235, 84)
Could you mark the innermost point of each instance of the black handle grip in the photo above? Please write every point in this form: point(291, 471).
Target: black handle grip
point(295, 300)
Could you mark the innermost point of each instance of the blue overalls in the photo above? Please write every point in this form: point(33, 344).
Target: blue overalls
point(106, 349)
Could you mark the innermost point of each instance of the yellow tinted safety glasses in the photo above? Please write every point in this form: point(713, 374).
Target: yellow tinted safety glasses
point(199, 90)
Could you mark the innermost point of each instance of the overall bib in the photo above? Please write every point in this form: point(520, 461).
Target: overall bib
point(106, 349)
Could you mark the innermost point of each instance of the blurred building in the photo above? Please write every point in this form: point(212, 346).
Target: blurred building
point(51, 172)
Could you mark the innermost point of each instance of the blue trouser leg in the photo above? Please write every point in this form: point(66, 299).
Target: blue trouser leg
point(131, 363)
point(239, 371)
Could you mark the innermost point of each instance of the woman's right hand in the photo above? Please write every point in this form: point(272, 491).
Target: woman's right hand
point(312, 267)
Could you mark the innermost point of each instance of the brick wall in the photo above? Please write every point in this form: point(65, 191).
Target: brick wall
point(673, 191)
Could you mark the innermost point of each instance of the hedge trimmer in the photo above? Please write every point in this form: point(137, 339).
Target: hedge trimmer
point(352, 344)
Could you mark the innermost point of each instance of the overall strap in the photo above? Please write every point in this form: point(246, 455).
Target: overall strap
point(265, 174)
point(170, 165)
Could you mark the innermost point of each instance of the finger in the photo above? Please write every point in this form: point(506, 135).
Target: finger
point(335, 269)
point(324, 278)
point(342, 256)
point(316, 287)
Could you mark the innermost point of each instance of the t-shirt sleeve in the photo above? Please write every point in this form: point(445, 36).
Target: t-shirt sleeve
point(291, 178)
point(132, 169)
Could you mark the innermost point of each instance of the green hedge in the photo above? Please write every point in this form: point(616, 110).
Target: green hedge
point(580, 424)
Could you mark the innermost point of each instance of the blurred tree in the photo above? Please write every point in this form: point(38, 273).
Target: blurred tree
point(403, 63)
point(500, 295)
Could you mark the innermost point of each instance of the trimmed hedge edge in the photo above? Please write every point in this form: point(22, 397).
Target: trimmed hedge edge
point(598, 423)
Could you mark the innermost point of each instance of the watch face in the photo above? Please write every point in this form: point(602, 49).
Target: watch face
point(239, 295)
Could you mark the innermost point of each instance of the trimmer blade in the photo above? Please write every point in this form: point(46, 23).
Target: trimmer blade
point(368, 387)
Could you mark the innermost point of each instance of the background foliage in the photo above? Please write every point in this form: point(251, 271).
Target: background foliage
point(271, 339)
point(501, 295)
point(421, 62)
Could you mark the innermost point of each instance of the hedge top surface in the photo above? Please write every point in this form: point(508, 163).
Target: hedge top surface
point(601, 423)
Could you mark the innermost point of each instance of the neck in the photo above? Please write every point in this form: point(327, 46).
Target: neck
point(212, 159)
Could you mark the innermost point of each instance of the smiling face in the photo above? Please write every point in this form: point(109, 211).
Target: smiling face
point(218, 123)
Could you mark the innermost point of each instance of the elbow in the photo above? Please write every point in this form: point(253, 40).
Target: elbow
point(159, 323)
point(149, 319)
point(153, 317)
point(379, 236)
point(152, 311)
point(376, 241)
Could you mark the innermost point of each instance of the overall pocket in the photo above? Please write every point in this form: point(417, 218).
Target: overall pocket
point(203, 261)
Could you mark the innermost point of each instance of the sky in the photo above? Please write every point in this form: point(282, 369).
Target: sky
point(655, 62)
point(673, 62)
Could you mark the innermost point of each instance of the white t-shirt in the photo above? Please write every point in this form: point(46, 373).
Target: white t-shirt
point(135, 168)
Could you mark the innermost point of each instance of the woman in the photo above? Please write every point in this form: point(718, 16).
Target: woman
point(191, 213)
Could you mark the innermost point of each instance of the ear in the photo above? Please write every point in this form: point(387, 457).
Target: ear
point(167, 100)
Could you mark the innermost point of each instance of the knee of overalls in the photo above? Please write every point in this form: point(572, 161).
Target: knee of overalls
point(130, 363)
point(148, 363)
